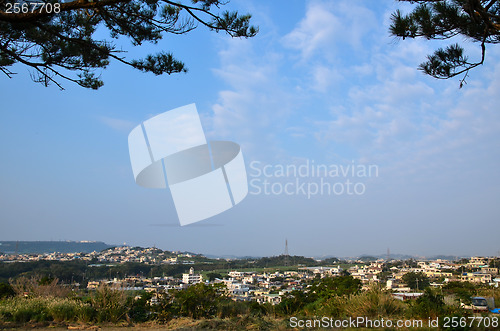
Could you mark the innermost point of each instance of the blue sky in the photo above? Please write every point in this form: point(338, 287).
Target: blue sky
point(322, 81)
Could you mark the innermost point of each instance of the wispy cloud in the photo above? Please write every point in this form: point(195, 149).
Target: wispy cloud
point(315, 32)
point(255, 106)
point(374, 105)
point(330, 29)
point(117, 123)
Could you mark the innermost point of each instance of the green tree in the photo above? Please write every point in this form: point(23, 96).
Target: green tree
point(410, 263)
point(6, 291)
point(416, 280)
point(140, 307)
point(198, 301)
point(294, 301)
point(211, 276)
point(342, 285)
point(475, 20)
point(462, 290)
point(429, 305)
point(57, 40)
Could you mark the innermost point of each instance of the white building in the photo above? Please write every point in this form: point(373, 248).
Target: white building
point(191, 277)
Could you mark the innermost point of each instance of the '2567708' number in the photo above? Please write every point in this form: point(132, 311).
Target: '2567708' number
point(471, 321)
point(31, 7)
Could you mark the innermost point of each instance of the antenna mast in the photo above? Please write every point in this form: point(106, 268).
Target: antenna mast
point(286, 252)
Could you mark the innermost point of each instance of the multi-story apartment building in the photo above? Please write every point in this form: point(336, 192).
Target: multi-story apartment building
point(191, 277)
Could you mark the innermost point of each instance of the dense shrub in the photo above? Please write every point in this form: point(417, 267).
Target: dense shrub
point(23, 310)
point(6, 291)
point(37, 286)
point(229, 308)
point(197, 301)
point(463, 291)
point(428, 305)
point(140, 309)
point(373, 303)
point(334, 307)
point(109, 304)
point(208, 306)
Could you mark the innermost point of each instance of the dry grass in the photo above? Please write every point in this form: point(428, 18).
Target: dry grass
point(24, 286)
point(373, 303)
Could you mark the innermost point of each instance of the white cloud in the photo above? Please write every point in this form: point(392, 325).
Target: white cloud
point(411, 124)
point(328, 28)
point(117, 123)
point(324, 77)
point(315, 32)
point(254, 108)
point(375, 103)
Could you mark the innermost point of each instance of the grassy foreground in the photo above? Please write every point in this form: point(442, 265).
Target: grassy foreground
point(49, 305)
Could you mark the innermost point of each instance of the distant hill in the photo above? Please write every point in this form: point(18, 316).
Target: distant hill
point(40, 247)
point(368, 257)
point(448, 257)
point(281, 260)
point(232, 257)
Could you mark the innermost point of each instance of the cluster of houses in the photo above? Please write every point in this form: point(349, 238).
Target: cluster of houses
point(120, 254)
point(270, 287)
point(443, 270)
point(239, 285)
point(55, 256)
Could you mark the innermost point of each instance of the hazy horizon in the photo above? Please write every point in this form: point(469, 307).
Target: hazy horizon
point(323, 83)
point(392, 255)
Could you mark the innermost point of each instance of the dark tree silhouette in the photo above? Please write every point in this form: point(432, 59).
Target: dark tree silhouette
point(57, 40)
point(476, 20)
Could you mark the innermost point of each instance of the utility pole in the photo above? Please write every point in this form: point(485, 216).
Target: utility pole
point(286, 253)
